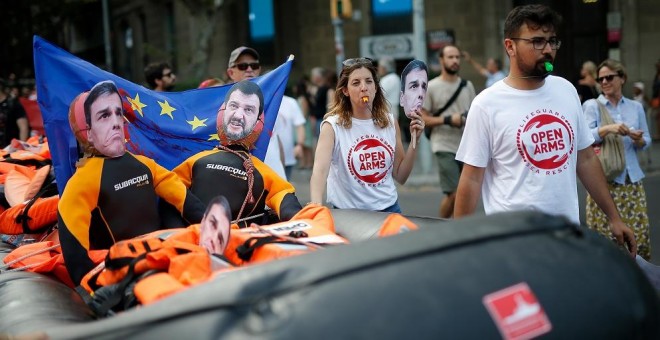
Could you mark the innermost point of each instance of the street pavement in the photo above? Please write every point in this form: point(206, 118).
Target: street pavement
point(421, 194)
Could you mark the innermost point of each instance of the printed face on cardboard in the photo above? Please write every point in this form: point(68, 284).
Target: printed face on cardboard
point(214, 230)
point(106, 133)
point(414, 83)
point(240, 115)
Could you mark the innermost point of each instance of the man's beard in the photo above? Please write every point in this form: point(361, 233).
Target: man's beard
point(535, 71)
point(169, 88)
point(451, 71)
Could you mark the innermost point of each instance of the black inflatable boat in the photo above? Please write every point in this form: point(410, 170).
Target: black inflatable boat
point(515, 276)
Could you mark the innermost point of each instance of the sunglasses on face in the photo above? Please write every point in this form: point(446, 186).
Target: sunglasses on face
point(353, 61)
point(244, 66)
point(609, 78)
point(168, 74)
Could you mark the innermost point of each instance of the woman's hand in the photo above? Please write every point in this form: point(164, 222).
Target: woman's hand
point(635, 135)
point(416, 123)
point(619, 129)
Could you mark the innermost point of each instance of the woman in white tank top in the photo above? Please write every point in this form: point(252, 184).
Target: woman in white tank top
point(359, 152)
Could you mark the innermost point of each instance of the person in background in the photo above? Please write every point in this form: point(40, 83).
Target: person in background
point(655, 100)
point(493, 70)
point(211, 82)
point(159, 76)
point(301, 92)
point(630, 122)
point(391, 84)
point(586, 86)
point(448, 126)
point(321, 95)
point(526, 137)
point(638, 94)
point(13, 120)
point(360, 153)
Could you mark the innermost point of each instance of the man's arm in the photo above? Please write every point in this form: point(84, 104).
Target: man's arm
point(482, 70)
point(23, 128)
point(592, 177)
point(467, 193)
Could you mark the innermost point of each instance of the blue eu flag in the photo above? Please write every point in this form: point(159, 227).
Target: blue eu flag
point(168, 127)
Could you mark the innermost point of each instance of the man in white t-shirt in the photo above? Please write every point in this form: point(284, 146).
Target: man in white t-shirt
point(526, 137)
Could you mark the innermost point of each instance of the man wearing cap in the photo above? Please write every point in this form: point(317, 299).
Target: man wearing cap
point(244, 64)
point(112, 195)
point(230, 170)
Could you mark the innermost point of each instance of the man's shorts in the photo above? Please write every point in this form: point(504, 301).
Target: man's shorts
point(450, 171)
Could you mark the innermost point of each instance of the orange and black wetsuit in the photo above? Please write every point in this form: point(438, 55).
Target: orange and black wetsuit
point(113, 199)
point(221, 172)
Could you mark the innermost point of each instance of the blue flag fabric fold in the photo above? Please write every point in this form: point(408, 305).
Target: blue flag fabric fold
point(169, 126)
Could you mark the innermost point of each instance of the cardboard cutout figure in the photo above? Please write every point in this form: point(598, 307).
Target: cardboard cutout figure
point(414, 83)
point(215, 226)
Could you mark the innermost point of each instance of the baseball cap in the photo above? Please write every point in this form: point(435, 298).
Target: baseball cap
point(237, 53)
point(639, 85)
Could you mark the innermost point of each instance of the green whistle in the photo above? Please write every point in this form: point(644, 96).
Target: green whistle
point(548, 66)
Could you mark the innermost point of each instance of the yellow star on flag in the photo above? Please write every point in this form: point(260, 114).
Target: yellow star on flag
point(196, 122)
point(213, 137)
point(136, 104)
point(166, 109)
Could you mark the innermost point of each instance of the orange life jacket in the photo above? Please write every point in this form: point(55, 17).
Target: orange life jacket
point(115, 283)
point(29, 217)
point(310, 227)
point(396, 224)
point(45, 257)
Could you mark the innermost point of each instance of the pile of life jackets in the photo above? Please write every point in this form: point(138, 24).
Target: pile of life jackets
point(148, 268)
point(28, 209)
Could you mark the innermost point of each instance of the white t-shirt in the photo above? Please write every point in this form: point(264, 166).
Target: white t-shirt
point(289, 116)
point(360, 175)
point(391, 85)
point(528, 143)
point(272, 158)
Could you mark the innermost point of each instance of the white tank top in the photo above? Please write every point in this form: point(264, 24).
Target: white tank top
point(360, 175)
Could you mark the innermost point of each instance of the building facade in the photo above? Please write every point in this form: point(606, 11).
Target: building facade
point(198, 36)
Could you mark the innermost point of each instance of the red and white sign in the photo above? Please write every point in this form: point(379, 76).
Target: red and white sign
point(517, 312)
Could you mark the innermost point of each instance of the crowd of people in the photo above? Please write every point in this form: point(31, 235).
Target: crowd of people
point(519, 144)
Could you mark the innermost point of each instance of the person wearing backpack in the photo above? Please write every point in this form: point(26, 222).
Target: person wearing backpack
point(448, 99)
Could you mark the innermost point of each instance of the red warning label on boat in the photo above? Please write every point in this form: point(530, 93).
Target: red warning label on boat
point(517, 312)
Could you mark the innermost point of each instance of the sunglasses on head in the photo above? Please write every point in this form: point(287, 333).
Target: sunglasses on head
point(353, 61)
point(609, 78)
point(244, 66)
